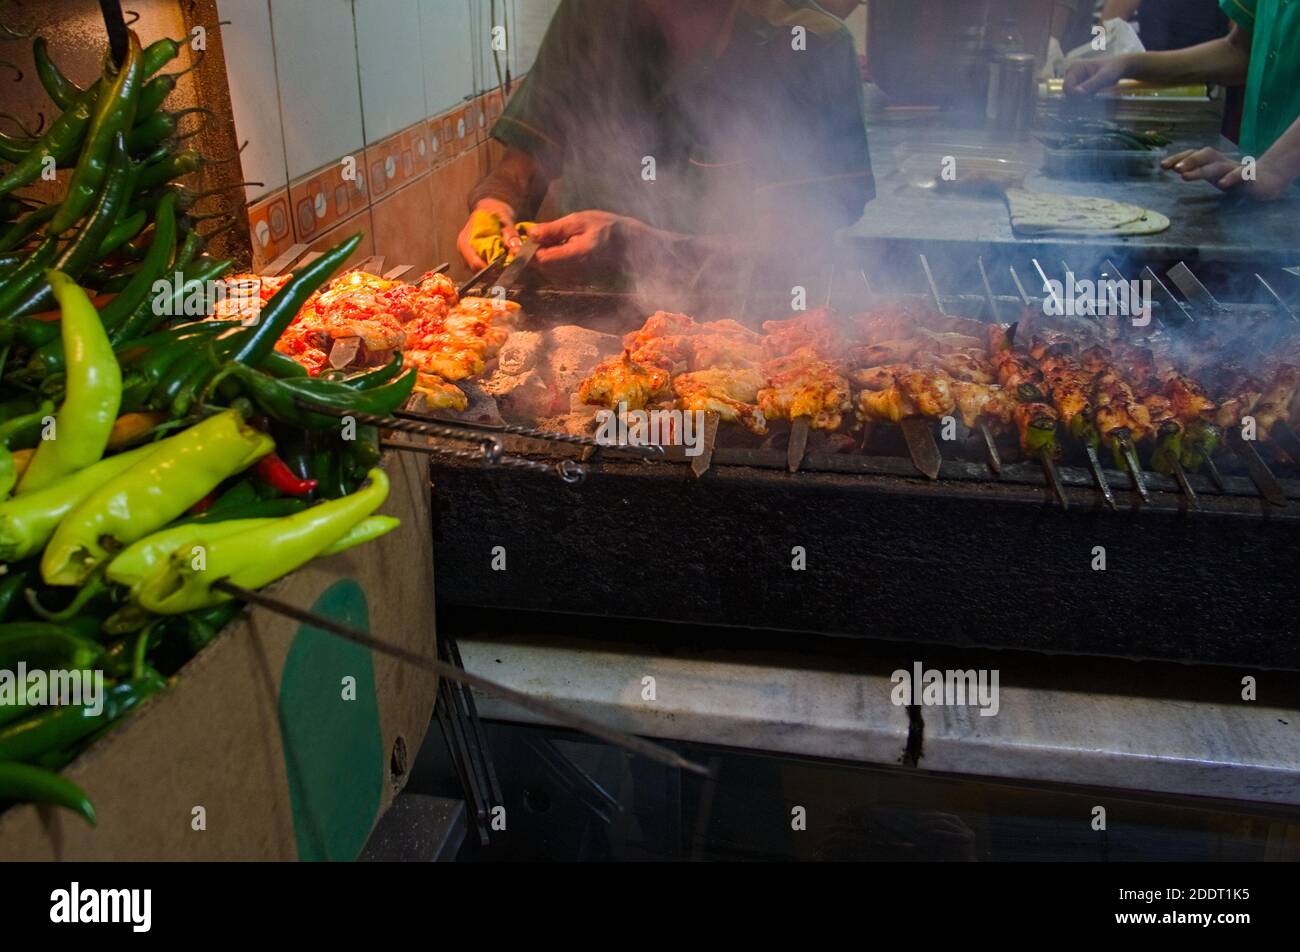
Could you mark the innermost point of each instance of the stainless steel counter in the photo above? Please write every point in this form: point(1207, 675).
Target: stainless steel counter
point(1158, 728)
point(1206, 225)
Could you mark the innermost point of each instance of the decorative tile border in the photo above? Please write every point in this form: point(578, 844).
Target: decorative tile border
point(321, 201)
point(324, 198)
point(270, 226)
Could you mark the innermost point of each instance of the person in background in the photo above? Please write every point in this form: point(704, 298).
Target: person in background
point(676, 129)
point(1262, 50)
point(1170, 24)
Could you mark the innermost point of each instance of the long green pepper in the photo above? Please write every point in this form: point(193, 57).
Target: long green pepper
point(113, 116)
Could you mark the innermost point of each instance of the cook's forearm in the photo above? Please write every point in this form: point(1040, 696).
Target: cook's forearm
point(1223, 61)
point(517, 180)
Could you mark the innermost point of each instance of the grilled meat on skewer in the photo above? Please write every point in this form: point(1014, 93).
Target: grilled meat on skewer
point(622, 381)
point(730, 393)
point(800, 384)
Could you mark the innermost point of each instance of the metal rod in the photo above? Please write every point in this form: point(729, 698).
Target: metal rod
point(798, 444)
point(1276, 298)
point(1024, 295)
point(653, 451)
point(988, 293)
point(1099, 475)
point(1133, 465)
point(701, 464)
point(1053, 477)
point(474, 279)
point(934, 288)
point(1180, 476)
point(568, 470)
point(651, 751)
point(1047, 286)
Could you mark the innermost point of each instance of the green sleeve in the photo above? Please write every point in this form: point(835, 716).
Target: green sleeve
point(1241, 12)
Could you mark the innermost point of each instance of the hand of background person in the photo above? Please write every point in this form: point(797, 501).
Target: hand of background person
point(1089, 77)
point(1226, 173)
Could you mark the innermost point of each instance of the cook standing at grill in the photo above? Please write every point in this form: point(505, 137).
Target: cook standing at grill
point(677, 129)
point(1261, 50)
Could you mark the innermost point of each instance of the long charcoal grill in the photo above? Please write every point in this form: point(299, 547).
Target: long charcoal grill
point(968, 559)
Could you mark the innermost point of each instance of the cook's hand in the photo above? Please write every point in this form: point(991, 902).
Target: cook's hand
point(476, 226)
point(1091, 76)
point(1210, 165)
point(578, 237)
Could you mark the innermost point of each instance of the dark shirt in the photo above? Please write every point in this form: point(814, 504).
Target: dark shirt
point(748, 126)
point(1178, 24)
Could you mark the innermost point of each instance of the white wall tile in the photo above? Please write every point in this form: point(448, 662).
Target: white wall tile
point(446, 51)
point(250, 65)
point(316, 59)
point(392, 85)
point(530, 20)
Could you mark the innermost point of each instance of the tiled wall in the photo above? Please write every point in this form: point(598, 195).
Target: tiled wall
point(405, 90)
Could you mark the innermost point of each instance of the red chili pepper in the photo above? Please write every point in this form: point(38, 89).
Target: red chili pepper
point(204, 504)
point(276, 473)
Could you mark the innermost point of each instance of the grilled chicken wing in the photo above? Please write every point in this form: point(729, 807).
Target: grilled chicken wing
point(802, 385)
point(731, 393)
point(621, 380)
point(913, 394)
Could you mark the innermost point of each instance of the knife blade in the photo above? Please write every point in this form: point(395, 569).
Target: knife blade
point(510, 276)
point(921, 446)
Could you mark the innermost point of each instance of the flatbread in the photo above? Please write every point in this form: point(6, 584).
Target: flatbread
point(1037, 213)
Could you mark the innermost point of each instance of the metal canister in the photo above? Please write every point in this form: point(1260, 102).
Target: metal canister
point(1012, 88)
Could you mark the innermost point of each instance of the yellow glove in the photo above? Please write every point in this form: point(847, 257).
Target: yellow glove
point(485, 235)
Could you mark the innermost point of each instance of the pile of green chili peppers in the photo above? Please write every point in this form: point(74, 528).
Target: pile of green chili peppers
point(132, 438)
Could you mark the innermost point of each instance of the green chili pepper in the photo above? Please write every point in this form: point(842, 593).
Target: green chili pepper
point(24, 783)
point(279, 398)
point(136, 294)
point(15, 148)
point(62, 90)
point(369, 379)
point(29, 224)
point(142, 557)
point(126, 229)
point(27, 522)
point(114, 113)
point(367, 530)
point(60, 142)
point(1169, 447)
point(24, 278)
point(8, 471)
point(172, 167)
point(63, 726)
point(12, 585)
point(1200, 441)
point(93, 392)
point(179, 472)
point(46, 645)
point(280, 365)
point(280, 311)
point(194, 281)
point(258, 557)
point(22, 432)
point(81, 251)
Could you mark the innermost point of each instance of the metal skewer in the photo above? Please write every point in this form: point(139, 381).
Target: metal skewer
point(1044, 457)
point(1257, 469)
point(474, 279)
point(652, 751)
